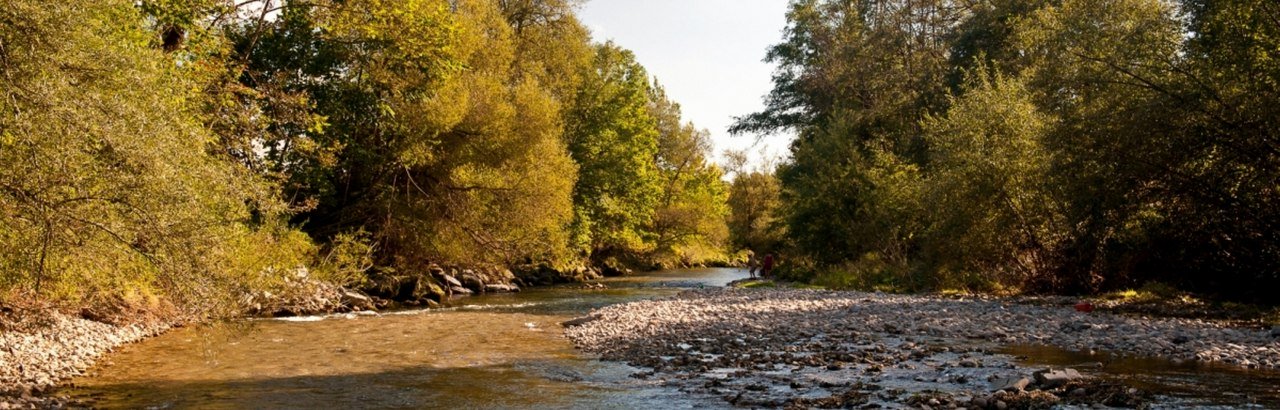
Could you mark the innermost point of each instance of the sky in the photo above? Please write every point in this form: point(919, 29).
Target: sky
point(708, 54)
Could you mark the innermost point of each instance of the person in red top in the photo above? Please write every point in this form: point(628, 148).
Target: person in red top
point(767, 266)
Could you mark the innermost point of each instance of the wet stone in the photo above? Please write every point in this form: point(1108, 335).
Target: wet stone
point(1010, 384)
point(1054, 378)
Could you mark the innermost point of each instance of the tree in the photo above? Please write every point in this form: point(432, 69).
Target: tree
point(613, 138)
point(988, 186)
point(689, 222)
point(108, 192)
point(754, 220)
point(854, 80)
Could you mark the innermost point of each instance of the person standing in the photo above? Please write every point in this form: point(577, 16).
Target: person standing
point(751, 264)
point(767, 267)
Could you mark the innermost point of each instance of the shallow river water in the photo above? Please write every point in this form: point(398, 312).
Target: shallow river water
point(492, 351)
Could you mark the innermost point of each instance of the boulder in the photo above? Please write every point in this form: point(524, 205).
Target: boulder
point(356, 300)
point(500, 288)
point(459, 290)
point(1050, 378)
point(435, 269)
point(418, 289)
point(472, 281)
point(612, 270)
point(1014, 384)
point(449, 280)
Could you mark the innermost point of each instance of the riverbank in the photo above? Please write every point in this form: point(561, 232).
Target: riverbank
point(790, 347)
point(41, 347)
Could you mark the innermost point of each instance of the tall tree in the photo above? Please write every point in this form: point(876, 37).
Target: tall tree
point(108, 192)
point(689, 222)
point(614, 139)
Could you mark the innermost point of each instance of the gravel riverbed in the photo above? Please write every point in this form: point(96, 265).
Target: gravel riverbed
point(809, 348)
point(37, 351)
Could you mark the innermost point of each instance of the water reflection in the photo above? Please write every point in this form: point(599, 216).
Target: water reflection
point(1190, 383)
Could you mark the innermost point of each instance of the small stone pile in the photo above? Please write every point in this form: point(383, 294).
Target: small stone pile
point(37, 351)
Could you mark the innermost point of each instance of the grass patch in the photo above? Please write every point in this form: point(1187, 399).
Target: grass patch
point(754, 284)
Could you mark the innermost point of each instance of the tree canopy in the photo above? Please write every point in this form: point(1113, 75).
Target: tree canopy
point(1057, 145)
point(192, 151)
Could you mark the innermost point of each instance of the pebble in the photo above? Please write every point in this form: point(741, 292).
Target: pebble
point(35, 356)
point(873, 336)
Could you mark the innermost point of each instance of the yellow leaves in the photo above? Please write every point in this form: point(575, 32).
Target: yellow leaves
point(410, 35)
point(318, 123)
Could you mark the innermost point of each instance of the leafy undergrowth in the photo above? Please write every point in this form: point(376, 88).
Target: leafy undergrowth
point(771, 283)
point(1152, 299)
point(1163, 301)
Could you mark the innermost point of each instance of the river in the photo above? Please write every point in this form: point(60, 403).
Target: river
point(490, 351)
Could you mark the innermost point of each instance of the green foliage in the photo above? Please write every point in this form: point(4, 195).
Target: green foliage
point(196, 151)
point(689, 221)
point(989, 187)
point(1086, 145)
point(753, 220)
point(614, 139)
point(347, 259)
point(107, 189)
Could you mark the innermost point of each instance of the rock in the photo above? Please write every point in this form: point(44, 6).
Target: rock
point(979, 402)
point(1010, 384)
point(472, 281)
point(435, 269)
point(450, 280)
point(1001, 405)
point(1180, 339)
point(1053, 378)
point(969, 363)
point(1075, 326)
point(357, 301)
point(458, 290)
point(579, 321)
point(500, 288)
point(1275, 332)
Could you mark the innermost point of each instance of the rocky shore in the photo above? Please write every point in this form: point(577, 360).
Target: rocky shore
point(39, 349)
point(807, 348)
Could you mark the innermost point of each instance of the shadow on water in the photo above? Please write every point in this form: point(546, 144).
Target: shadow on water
point(491, 351)
point(574, 300)
point(518, 385)
point(1192, 383)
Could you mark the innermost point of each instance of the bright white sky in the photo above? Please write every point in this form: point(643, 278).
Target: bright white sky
point(706, 53)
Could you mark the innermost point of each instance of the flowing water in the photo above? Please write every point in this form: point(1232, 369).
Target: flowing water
point(491, 351)
point(494, 351)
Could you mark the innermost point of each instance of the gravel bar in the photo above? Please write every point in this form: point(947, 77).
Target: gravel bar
point(812, 348)
point(41, 350)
